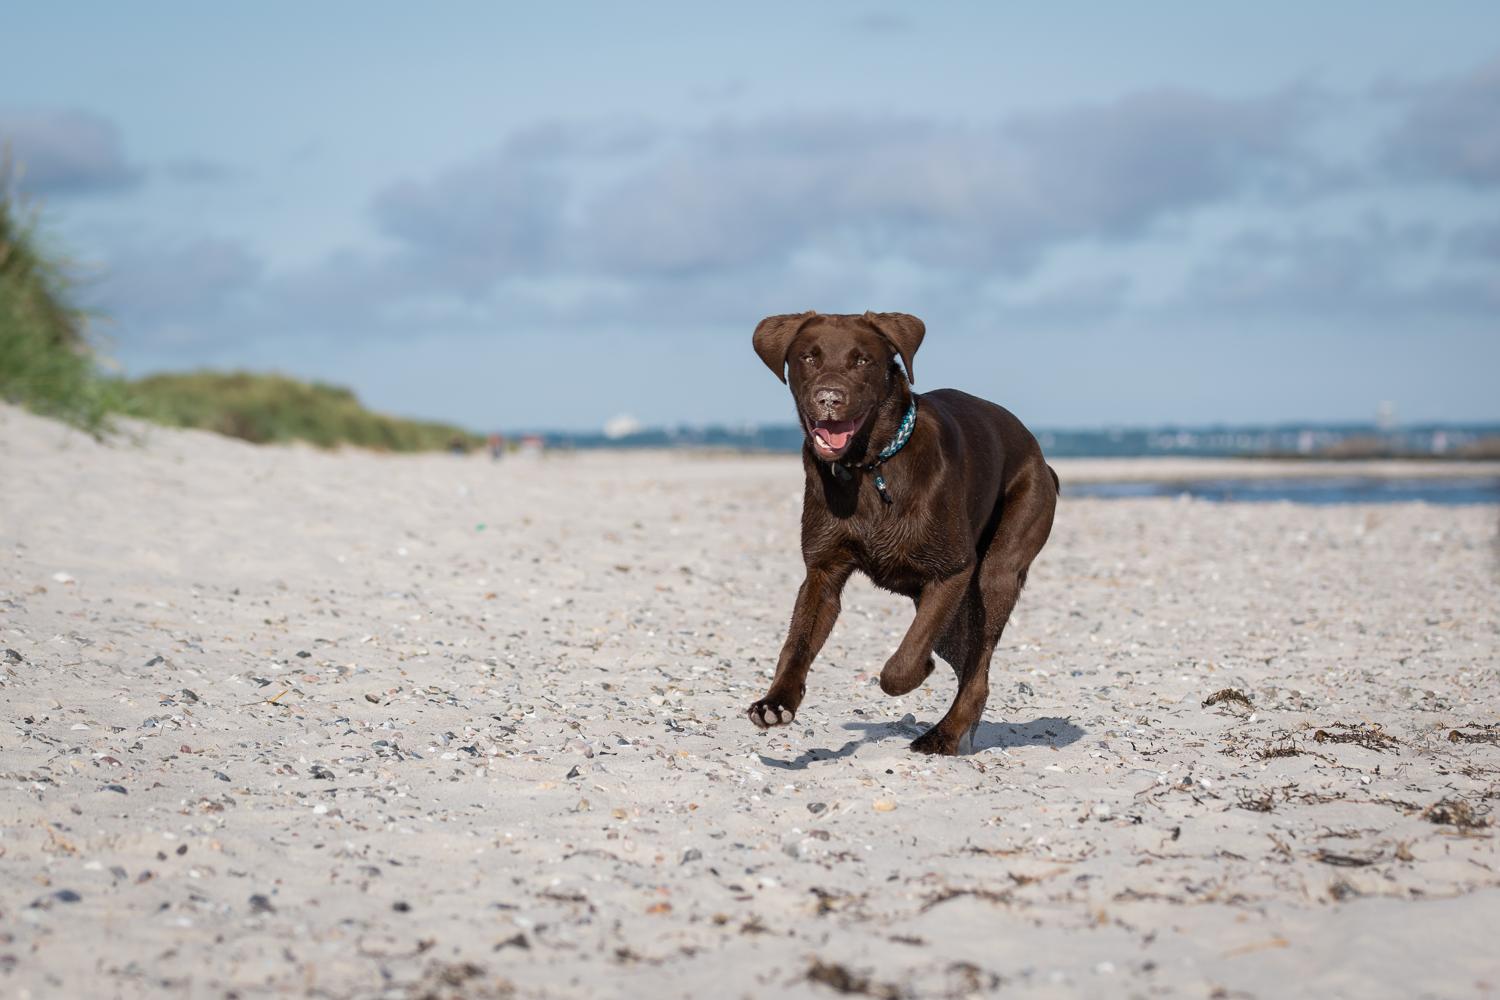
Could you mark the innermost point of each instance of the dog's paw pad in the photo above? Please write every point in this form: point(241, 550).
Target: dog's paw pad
point(768, 712)
point(935, 741)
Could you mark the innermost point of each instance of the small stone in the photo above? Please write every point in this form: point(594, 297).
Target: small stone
point(11, 656)
point(303, 654)
point(401, 906)
point(817, 807)
point(181, 850)
point(692, 854)
point(155, 661)
point(60, 896)
point(261, 904)
point(221, 776)
point(573, 772)
point(189, 695)
point(115, 788)
point(321, 772)
point(884, 806)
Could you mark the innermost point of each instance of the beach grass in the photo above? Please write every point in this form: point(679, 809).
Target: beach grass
point(47, 361)
point(267, 408)
point(50, 362)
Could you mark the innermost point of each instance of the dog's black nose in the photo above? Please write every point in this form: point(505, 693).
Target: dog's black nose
point(829, 399)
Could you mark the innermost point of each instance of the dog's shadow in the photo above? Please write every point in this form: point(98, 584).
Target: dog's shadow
point(1049, 732)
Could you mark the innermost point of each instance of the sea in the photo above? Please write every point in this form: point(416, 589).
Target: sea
point(1316, 490)
point(1281, 441)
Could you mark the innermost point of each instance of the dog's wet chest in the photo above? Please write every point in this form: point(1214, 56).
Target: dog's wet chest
point(899, 553)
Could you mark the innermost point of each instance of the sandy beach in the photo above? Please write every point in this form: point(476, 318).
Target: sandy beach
point(286, 722)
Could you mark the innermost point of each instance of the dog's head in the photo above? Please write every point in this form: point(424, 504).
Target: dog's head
point(841, 368)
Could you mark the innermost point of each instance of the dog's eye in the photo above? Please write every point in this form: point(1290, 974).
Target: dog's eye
point(861, 362)
point(808, 359)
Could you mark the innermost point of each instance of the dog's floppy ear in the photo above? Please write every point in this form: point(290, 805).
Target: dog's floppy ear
point(773, 336)
point(904, 332)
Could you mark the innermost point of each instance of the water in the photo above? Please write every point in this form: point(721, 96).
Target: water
point(1320, 490)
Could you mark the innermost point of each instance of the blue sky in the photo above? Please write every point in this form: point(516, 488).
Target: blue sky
point(544, 217)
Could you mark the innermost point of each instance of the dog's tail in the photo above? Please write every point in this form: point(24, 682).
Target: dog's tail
point(1056, 483)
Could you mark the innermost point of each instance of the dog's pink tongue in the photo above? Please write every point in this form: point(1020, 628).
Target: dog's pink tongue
point(832, 440)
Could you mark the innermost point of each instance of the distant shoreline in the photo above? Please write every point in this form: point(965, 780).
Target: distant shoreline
point(1147, 468)
point(1186, 469)
point(1298, 442)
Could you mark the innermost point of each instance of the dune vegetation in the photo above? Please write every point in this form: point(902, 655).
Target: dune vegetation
point(51, 363)
point(273, 408)
point(47, 362)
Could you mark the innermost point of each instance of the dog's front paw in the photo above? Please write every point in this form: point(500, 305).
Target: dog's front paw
point(772, 711)
point(901, 677)
point(936, 741)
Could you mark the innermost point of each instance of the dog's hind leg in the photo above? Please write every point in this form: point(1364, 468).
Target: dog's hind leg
point(973, 669)
point(1022, 531)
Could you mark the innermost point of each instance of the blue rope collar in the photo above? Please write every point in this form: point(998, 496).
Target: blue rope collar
point(903, 435)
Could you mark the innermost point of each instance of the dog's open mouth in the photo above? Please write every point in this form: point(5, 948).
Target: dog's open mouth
point(830, 438)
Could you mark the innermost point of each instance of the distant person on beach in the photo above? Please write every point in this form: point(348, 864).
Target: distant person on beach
point(497, 447)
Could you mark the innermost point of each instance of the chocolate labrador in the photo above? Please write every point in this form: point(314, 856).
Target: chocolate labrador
point(942, 497)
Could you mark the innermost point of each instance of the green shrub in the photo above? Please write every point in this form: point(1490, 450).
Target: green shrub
point(49, 364)
point(46, 360)
point(267, 408)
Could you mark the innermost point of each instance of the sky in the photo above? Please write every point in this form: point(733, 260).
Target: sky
point(546, 216)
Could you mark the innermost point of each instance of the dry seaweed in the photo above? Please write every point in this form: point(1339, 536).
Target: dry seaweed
point(1456, 812)
point(1262, 802)
point(458, 981)
point(1486, 734)
point(1345, 860)
point(840, 978)
point(946, 895)
point(1340, 890)
point(1370, 737)
point(1227, 695)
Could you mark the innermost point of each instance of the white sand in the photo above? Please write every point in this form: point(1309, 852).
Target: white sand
point(204, 627)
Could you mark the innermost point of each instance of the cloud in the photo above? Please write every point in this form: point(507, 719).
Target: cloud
point(758, 195)
point(1042, 221)
point(67, 153)
point(198, 170)
point(180, 291)
point(1377, 272)
point(881, 22)
point(1451, 130)
point(476, 223)
point(589, 225)
point(1480, 239)
point(557, 138)
point(505, 213)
